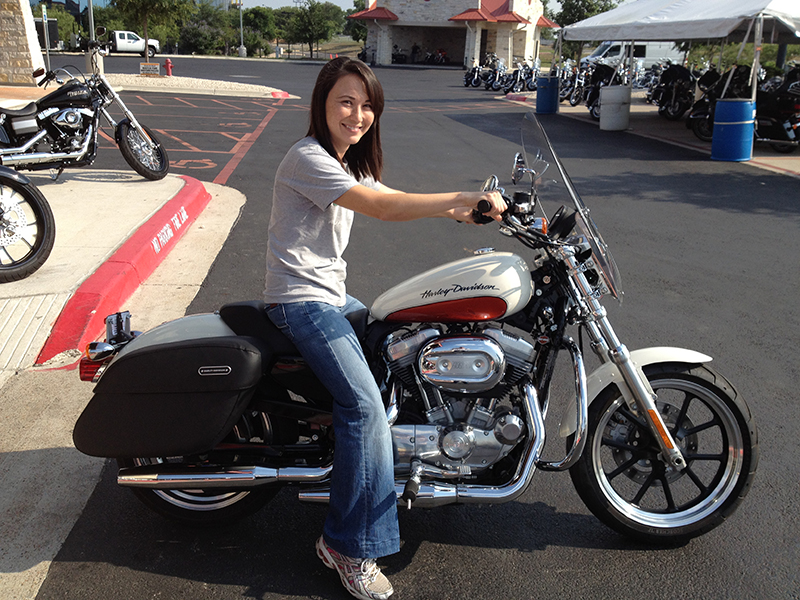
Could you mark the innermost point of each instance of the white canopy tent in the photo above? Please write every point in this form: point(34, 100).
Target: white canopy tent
point(673, 20)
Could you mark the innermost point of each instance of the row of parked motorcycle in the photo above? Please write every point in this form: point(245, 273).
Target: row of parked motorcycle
point(495, 75)
point(679, 91)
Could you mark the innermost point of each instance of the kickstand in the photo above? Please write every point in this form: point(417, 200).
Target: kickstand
point(54, 175)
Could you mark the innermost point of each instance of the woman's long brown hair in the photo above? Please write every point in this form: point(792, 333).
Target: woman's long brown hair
point(365, 158)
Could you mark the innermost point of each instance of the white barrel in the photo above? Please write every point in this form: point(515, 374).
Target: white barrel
point(615, 107)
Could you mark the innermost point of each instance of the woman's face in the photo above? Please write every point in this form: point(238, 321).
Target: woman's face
point(348, 112)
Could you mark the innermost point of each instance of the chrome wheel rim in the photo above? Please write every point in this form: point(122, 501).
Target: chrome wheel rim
point(637, 483)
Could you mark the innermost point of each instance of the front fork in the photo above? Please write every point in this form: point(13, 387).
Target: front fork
point(115, 97)
point(640, 397)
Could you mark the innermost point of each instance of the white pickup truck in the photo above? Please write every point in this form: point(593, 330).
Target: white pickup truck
point(127, 41)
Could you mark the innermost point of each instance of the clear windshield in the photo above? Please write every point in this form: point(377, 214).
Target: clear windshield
point(552, 185)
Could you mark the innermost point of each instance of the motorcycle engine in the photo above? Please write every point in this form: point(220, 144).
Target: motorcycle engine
point(461, 381)
point(68, 127)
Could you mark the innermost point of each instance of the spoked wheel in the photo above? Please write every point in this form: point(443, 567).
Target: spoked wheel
point(531, 84)
point(703, 128)
point(477, 81)
point(208, 508)
point(27, 229)
point(149, 162)
point(626, 485)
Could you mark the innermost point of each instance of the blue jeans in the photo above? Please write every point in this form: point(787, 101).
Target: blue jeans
point(362, 519)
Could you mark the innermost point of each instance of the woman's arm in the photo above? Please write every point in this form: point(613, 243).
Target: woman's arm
point(387, 204)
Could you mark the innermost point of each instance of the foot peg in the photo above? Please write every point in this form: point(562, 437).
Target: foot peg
point(411, 488)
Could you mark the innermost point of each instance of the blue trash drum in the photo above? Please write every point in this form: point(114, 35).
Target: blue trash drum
point(547, 95)
point(734, 123)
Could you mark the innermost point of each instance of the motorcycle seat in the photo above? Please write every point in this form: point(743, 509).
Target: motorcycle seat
point(250, 319)
point(25, 111)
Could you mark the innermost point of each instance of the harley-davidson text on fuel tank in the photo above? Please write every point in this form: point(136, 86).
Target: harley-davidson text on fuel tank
point(456, 288)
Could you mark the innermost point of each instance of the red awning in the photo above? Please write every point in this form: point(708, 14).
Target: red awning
point(545, 22)
point(379, 13)
point(474, 14)
point(511, 17)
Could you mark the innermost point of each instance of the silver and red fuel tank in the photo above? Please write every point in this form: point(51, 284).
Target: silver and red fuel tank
point(485, 287)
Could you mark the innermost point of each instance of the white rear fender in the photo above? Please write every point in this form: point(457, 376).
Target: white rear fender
point(609, 374)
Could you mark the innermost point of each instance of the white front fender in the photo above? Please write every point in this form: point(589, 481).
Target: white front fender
point(608, 374)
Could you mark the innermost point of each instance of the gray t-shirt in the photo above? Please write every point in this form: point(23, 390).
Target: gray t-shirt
point(308, 233)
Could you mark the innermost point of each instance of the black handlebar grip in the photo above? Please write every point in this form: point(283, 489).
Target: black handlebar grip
point(484, 206)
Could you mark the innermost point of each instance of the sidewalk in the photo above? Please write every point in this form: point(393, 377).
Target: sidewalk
point(645, 122)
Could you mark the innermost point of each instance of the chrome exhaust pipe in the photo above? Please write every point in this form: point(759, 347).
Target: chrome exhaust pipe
point(8, 159)
point(27, 145)
point(168, 476)
point(434, 493)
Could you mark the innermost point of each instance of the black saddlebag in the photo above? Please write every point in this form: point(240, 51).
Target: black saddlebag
point(169, 399)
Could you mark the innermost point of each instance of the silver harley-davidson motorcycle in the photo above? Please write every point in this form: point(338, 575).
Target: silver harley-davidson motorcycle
point(210, 415)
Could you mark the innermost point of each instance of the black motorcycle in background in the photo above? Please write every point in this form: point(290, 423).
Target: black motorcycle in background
point(674, 93)
point(60, 130)
point(27, 227)
point(777, 107)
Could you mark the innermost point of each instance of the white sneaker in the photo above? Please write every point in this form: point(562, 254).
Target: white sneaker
point(360, 576)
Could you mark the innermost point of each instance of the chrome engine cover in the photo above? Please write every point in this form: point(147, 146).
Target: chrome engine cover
point(463, 363)
point(460, 451)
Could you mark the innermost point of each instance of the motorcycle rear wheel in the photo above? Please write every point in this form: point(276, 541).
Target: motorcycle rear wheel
point(27, 230)
point(623, 482)
point(215, 507)
point(150, 163)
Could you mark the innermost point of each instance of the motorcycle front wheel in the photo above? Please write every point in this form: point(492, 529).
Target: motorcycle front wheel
point(625, 484)
point(477, 81)
point(531, 84)
point(703, 128)
point(150, 163)
point(673, 111)
point(576, 96)
point(215, 507)
point(27, 229)
point(594, 110)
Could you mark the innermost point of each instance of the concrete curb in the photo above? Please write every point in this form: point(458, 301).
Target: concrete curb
point(83, 318)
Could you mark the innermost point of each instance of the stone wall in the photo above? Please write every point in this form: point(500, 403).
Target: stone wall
point(20, 53)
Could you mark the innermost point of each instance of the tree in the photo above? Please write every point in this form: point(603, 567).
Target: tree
point(66, 22)
point(317, 22)
point(207, 31)
point(262, 21)
point(157, 11)
point(573, 11)
point(355, 28)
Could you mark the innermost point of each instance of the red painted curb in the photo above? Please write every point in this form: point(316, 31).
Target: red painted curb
point(102, 293)
point(280, 94)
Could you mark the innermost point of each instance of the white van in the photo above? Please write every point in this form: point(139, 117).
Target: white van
point(611, 53)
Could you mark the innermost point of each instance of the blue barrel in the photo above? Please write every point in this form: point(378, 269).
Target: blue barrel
point(547, 95)
point(734, 122)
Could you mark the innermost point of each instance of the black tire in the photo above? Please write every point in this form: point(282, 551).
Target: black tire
point(703, 128)
point(531, 84)
point(518, 86)
point(150, 163)
point(27, 229)
point(477, 81)
point(467, 80)
point(594, 110)
point(783, 148)
point(576, 96)
point(151, 52)
point(211, 508)
point(673, 111)
point(623, 482)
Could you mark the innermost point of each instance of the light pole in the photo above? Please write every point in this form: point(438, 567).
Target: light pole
point(242, 49)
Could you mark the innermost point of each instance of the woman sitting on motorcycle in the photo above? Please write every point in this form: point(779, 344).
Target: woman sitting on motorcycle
point(324, 178)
